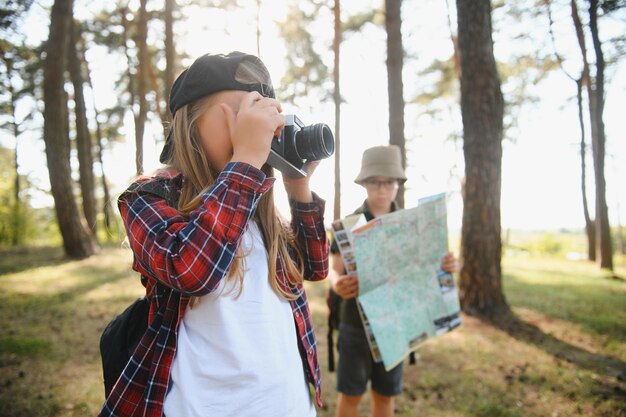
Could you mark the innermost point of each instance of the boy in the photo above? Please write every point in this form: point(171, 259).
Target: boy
point(381, 174)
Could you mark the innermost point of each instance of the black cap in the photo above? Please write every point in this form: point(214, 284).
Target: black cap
point(210, 74)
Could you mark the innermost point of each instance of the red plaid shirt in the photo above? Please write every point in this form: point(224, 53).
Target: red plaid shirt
point(191, 256)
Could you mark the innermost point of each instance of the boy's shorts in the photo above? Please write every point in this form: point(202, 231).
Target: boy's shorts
point(356, 366)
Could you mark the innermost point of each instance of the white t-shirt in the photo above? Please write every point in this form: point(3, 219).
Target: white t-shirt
point(239, 357)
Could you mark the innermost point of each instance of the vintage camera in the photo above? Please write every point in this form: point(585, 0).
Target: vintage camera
point(299, 144)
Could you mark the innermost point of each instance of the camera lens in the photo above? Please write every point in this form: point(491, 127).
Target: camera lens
point(315, 142)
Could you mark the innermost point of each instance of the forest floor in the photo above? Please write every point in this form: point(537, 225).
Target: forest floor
point(561, 353)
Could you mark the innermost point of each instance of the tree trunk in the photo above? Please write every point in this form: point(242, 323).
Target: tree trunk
point(619, 237)
point(584, 81)
point(455, 44)
point(337, 100)
point(482, 112)
point(589, 223)
point(83, 137)
point(154, 86)
point(170, 51)
point(142, 73)
point(16, 231)
point(258, 28)
point(395, 55)
point(126, 31)
point(106, 203)
point(598, 140)
point(76, 240)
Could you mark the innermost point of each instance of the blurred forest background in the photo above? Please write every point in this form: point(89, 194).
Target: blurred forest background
point(84, 109)
point(114, 63)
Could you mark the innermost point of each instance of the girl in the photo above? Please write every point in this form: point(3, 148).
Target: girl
point(230, 329)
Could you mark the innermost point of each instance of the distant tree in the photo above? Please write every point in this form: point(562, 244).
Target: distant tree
point(580, 81)
point(141, 41)
point(77, 240)
point(117, 30)
point(619, 236)
point(590, 224)
point(15, 227)
point(395, 87)
point(337, 99)
point(439, 96)
point(258, 28)
point(305, 69)
point(106, 200)
point(170, 47)
point(15, 60)
point(84, 146)
point(124, 30)
point(598, 143)
point(11, 11)
point(482, 112)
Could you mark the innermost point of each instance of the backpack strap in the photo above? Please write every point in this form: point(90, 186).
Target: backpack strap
point(333, 301)
point(157, 186)
point(163, 188)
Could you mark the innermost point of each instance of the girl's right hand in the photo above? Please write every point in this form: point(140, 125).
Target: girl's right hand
point(258, 120)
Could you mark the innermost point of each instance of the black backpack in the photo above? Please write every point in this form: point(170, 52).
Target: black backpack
point(121, 336)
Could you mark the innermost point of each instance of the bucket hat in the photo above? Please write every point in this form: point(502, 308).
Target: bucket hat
point(381, 161)
point(208, 74)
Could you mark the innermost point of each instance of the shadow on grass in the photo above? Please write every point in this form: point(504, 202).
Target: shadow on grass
point(102, 276)
point(582, 358)
point(14, 260)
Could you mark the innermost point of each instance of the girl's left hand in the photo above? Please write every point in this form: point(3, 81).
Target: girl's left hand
point(298, 188)
point(449, 263)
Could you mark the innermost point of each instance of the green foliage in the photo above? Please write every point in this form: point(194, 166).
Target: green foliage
point(11, 11)
point(20, 223)
point(306, 71)
point(356, 22)
point(19, 71)
point(612, 5)
point(553, 243)
point(9, 218)
point(548, 245)
point(445, 85)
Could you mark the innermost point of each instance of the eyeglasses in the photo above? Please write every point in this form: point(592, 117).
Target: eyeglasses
point(376, 184)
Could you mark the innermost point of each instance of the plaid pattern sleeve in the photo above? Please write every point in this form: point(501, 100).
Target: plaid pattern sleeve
point(192, 255)
point(307, 221)
point(308, 225)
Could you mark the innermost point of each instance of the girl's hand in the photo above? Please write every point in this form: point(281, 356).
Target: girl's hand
point(449, 263)
point(258, 120)
point(298, 188)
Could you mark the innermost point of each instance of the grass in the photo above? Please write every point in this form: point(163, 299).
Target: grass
point(563, 354)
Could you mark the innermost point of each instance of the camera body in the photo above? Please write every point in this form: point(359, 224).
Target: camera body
point(299, 144)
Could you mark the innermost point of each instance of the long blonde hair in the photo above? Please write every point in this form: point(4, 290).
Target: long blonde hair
point(190, 159)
